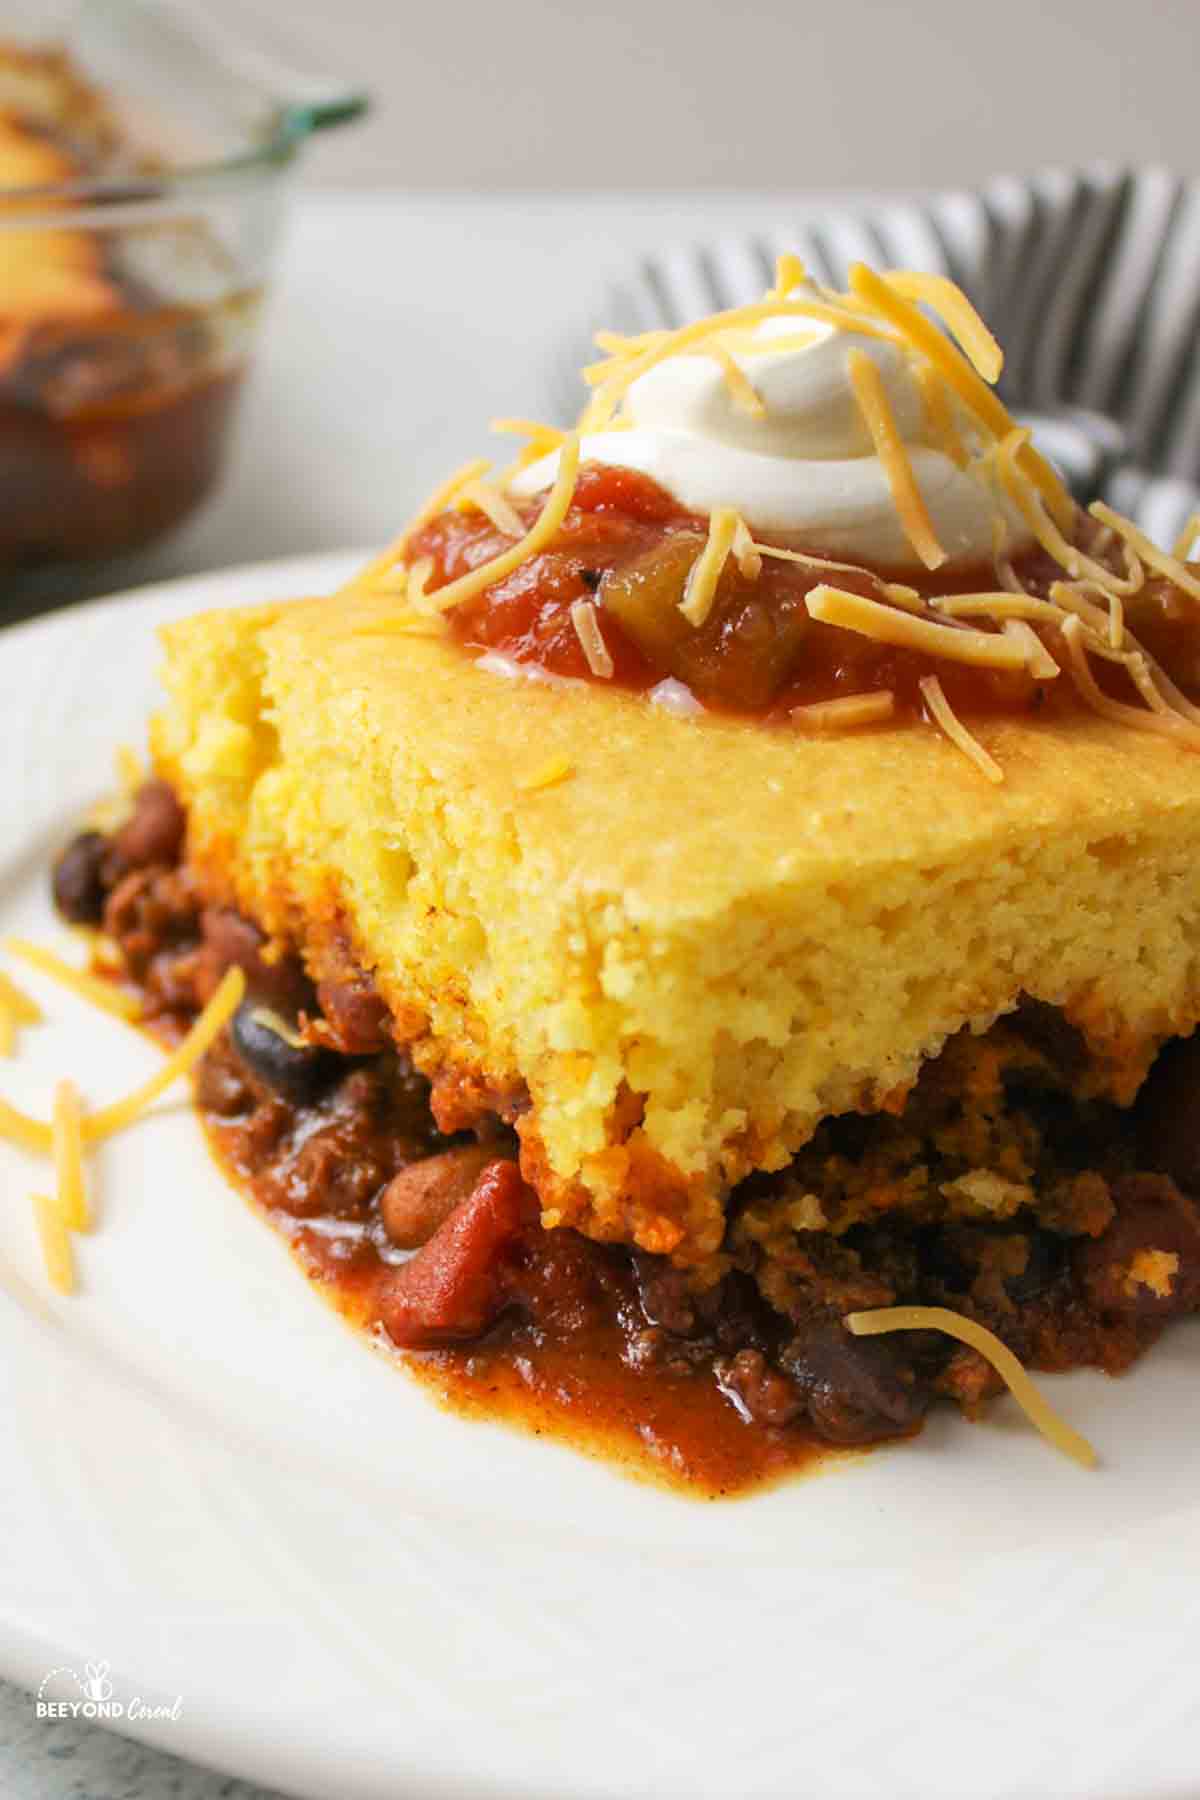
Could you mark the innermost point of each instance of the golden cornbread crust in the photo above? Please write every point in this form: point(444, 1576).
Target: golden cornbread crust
point(670, 967)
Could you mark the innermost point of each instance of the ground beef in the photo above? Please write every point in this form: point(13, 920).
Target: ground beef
point(1065, 1226)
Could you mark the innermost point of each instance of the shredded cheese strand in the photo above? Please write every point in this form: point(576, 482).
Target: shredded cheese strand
point(591, 639)
point(612, 388)
point(89, 987)
point(494, 505)
point(960, 318)
point(19, 1128)
point(975, 394)
point(790, 273)
point(1033, 1404)
point(437, 502)
point(1185, 543)
point(216, 1015)
point(743, 392)
point(700, 589)
point(939, 415)
point(1042, 665)
point(24, 1010)
point(536, 538)
point(1162, 724)
point(934, 696)
point(1043, 527)
point(746, 552)
point(55, 1241)
point(880, 421)
point(848, 711)
point(1149, 552)
point(982, 649)
point(66, 1130)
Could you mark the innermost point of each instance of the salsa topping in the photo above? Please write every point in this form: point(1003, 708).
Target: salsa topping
point(589, 569)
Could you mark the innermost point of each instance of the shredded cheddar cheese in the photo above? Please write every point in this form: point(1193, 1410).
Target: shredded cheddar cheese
point(1040, 662)
point(1166, 564)
point(975, 394)
point(946, 299)
point(934, 696)
point(880, 421)
point(887, 625)
point(1033, 1404)
point(535, 539)
point(700, 589)
point(789, 273)
point(591, 639)
point(1185, 543)
point(1184, 730)
point(55, 1241)
point(494, 505)
point(846, 713)
point(743, 392)
point(88, 987)
point(67, 1146)
point(216, 1015)
point(939, 413)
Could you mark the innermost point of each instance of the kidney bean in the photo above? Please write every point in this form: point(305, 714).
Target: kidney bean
point(356, 1014)
point(857, 1389)
point(453, 1288)
point(234, 939)
point(423, 1195)
point(154, 831)
point(78, 882)
point(1147, 1264)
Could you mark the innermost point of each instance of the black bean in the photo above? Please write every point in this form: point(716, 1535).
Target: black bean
point(299, 1072)
point(78, 882)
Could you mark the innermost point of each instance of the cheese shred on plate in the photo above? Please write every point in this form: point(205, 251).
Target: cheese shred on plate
point(88, 987)
point(34, 1134)
point(1027, 1396)
point(66, 1129)
point(55, 1240)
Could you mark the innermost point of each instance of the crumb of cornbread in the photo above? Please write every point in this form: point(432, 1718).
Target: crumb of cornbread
point(716, 933)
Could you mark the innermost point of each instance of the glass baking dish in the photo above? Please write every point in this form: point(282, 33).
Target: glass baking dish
point(143, 168)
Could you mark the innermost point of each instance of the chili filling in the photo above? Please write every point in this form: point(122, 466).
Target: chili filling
point(1063, 1224)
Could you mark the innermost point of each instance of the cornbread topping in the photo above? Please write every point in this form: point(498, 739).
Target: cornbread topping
point(721, 1090)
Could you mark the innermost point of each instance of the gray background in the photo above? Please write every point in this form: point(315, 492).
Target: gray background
point(793, 94)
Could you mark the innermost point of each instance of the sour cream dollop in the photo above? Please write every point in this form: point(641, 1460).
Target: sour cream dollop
point(806, 472)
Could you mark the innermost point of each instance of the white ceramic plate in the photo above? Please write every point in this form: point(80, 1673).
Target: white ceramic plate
point(207, 1482)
